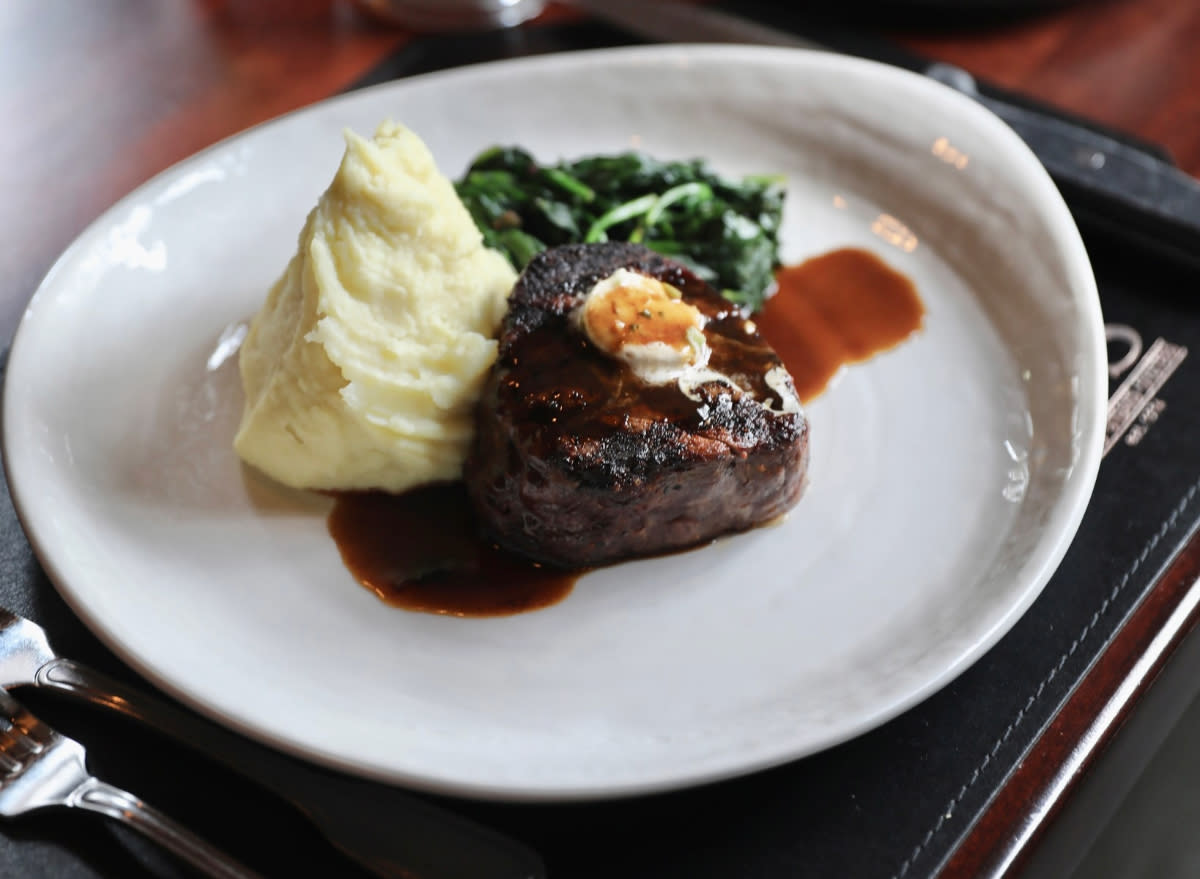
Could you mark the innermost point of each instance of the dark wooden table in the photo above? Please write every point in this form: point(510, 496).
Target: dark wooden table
point(97, 97)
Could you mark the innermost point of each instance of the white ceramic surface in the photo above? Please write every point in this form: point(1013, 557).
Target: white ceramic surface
point(947, 478)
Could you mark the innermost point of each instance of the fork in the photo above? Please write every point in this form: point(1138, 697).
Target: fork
point(41, 768)
point(358, 817)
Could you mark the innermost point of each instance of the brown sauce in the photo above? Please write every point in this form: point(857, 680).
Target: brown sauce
point(839, 308)
point(421, 550)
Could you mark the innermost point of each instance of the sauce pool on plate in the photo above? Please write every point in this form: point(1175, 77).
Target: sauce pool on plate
point(836, 309)
point(422, 551)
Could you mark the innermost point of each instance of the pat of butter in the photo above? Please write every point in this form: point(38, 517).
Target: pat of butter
point(645, 323)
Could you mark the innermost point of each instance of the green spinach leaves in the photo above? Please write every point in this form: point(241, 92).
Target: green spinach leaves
point(726, 230)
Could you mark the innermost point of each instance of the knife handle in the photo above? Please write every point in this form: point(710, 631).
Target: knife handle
point(1109, 184)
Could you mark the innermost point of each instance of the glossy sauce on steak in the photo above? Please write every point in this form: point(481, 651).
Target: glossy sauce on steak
point(579, 462)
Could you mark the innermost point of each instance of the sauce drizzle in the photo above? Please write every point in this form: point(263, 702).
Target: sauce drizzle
point(835, 309)
point(421, 551)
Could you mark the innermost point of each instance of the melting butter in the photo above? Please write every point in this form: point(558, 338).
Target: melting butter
point(645, 323)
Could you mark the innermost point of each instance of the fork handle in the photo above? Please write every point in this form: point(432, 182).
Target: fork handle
point(94, 795)
point(359, 817)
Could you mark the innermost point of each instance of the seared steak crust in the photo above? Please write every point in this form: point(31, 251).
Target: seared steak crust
point(577, 462)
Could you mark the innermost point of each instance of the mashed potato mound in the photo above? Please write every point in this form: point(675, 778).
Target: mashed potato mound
point(364, 365)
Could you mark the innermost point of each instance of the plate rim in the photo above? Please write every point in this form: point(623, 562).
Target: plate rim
point(1068, 509)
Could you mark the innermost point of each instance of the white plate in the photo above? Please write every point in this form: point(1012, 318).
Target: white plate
point(948, 476)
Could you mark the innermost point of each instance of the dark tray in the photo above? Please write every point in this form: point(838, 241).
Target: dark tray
point(889, 804)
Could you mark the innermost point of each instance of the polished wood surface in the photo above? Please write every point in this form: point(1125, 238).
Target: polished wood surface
point(1129, 64)
point(97, 96)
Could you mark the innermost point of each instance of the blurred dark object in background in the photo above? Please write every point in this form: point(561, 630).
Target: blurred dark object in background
point(903, 14)
point(441, 16)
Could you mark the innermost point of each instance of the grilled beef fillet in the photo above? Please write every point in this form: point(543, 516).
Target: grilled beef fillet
point(577, 462)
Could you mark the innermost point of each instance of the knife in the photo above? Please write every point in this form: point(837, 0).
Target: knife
point(1112, 184)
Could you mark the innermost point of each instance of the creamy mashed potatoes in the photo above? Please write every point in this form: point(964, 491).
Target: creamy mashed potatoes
point(363, 367)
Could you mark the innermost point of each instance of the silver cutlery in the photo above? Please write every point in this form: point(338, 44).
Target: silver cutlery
point(387, 831)
point(41, 768)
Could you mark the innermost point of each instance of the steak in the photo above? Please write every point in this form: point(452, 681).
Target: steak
point(578, 462)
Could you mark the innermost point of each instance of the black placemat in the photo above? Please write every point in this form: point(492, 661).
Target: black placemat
point(894, 802)
point(889, 804)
